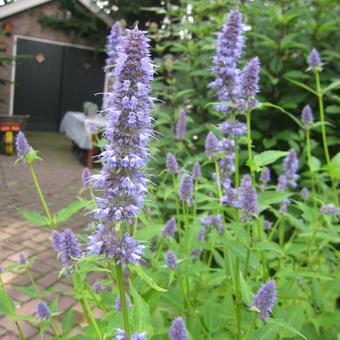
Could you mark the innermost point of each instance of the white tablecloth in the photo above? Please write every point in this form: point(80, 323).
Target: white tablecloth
point(78, 127)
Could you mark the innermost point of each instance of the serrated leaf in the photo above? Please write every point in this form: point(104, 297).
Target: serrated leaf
point(139, 271)
point(332, 86)
point(268, 198)
point(268, 157)
point(140, 317)
point(66, 213)
point(33, 217)
point(284, 325)
point(246, 293)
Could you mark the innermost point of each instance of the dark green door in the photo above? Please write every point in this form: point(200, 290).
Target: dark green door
point(55, 79)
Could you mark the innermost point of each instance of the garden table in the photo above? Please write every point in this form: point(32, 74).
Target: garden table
point(80, 129)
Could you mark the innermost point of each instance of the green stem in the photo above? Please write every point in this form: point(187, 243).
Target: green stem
point(248, 250)
point(249, 145)
point(324, 133)
point(12, 311)
point(309, 160)
point(218, 180)
point(177, 210)
point(121, 287)
point(237, 166)
point(77, 282)
point(41, 195)
point(263, 257)
point(251, 327)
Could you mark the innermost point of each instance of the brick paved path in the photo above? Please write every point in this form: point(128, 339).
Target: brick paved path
point(59, 174)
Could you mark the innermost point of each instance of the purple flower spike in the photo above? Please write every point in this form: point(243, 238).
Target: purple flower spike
point(314, 59)
point(86, 177)
point(181, 124)
point(265, 299)
point(98, 287)
point(118, 305)
point(249, 85)
point(233, 128)
point(43, 312)
point(186, 189)
point(171, 260)
point(267, 225)
point(171, 163)
point(22, 259)
point(169, 228)
point(196, 170)
point(105, 241)
point(248, 199)
point(307, 116)
point(178, 330)
point(21, 144)
point(56, 240)
point(211, 145)
point(69, 247)
point(330, 209)
point(137, 336)
point(121, 181)
point(289, 177)
point(265, 177)
point(112, 43)
point(230, 43)
point(305, 193)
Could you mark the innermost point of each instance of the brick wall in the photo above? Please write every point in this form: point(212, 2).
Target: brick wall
point(27, 24)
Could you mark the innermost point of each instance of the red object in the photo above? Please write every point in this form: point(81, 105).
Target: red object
point(10, 126)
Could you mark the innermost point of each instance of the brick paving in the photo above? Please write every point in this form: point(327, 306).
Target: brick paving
point(59, 174)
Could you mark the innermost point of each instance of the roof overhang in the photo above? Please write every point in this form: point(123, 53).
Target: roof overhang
point(23, 5)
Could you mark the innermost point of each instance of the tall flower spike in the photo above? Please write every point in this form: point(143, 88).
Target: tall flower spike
point(43, 312)
point(22, 258)
point(186, 189)
point(307, 115)
point(230, 43)
point(169, 228)
point(69, 247)
point(86, 177)
point(171, 163)
point(112, 43)
point(21, 144)
point(137, 336)
point(181, 124)
point(170, 260)
point(330, 209)
point(248, 199)
point(56, 240)
point(211, 145)
point(178, 330)
point(128, 132)
point(196, 170)
point(265, 299)
point(106, 242)
point(249, 85)
point(289, 177)
point(314, 59)
point(265, 177)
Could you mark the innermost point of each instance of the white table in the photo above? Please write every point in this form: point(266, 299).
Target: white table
point(80, 128)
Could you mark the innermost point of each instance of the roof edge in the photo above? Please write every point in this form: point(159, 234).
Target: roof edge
point(21, 6)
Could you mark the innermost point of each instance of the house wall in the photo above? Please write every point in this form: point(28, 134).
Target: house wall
point(27, 24)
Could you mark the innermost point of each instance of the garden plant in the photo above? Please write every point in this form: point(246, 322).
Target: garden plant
point(211, 239)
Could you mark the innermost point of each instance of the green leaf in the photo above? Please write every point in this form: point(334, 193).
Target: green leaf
point(268, 157)
point(304, 86)
point(67, 322)
point(284, 325)
point(27, 291)
point(67, 212)
point(139, 271)
point(33, 217)
point(140, 316)
point(332, 86)
point(270, 248)
point(267, 198)
point(247, 295)
point(290, 115)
